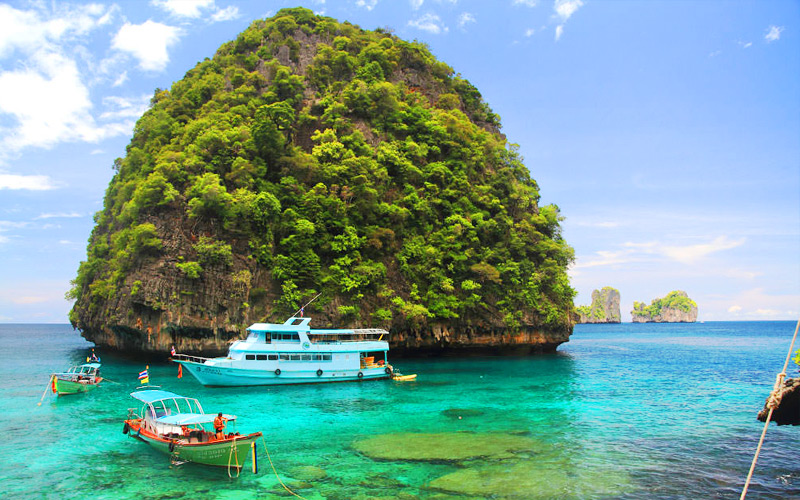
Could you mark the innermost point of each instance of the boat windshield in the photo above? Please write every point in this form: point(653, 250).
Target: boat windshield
point(172, 406)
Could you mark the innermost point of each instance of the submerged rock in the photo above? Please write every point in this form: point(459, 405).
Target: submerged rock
point(788, 410)
point(531, 479)
point(445, 447)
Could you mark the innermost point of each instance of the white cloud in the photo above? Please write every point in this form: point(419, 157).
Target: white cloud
point(465, 18)
point(185, 8)
point(26, 182)
point(367, 4)
point(715, 53)
point(227, 14)
point(59, 215)
point(692, 253)
point(565, 8)
point(529, 32)
point(773, 33)
point(120, 107)
point(148, 42)
point(430, 23)
point(745, 45)
point(734, 309)
point(416, 4)
point(47, 99)
point(637, 252)
point(559, 31)
point(527, 3)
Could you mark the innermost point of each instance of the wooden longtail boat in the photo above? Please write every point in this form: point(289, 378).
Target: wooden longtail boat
point(77, 379)
point(176, 425)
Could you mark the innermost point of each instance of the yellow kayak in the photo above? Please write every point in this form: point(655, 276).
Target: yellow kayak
point(404, 377)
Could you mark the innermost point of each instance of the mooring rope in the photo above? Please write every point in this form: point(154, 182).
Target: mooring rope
point(276, 472)
point(772, 403)
point(230, 454)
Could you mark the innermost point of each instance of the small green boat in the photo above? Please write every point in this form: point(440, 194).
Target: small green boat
point(176, 425)
point(77, 379)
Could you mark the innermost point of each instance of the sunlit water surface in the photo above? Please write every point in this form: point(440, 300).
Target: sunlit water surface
point(621, 411)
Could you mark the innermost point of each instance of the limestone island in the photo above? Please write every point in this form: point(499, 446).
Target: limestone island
point(311, 159)
point(676, 307)
point(604, 308)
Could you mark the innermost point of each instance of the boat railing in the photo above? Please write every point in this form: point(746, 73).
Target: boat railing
point(192, 359)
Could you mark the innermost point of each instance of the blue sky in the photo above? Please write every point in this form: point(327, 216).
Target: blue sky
point(668, 132)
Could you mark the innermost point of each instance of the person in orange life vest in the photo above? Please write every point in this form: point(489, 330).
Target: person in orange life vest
point(219, 425)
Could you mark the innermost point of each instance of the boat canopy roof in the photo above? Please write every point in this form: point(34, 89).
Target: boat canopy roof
point(152, 395)
point(93, 365)
point(295, 324)
point(192, 418)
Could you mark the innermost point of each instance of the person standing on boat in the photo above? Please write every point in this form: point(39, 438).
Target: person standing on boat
point(219, 426)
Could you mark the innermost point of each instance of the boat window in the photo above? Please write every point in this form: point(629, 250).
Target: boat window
point(317, 357)
point(295, 357)
point(305, 357)
point(284, 357)
point(326, 357)
point(272, 357)
point(250, 356)
point(261, 357)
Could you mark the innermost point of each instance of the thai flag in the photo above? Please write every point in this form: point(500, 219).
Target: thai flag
point(172, 351)
point(301, 311)
point(144, 377)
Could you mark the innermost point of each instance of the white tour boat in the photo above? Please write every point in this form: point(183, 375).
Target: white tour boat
point(294, 353)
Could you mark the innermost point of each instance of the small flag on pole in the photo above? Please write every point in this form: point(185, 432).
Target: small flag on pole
point(180, 371)
point(172, 351)
point(301, 311)
point(144, 377)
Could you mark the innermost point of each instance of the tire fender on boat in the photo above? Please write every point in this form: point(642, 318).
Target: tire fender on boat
point(388, 371)
point(277, 371)
point(360, 374)
point(126, 428)
point(319, 372)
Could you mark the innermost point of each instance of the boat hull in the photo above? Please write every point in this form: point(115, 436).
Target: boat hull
point(67, 387)
point(226, 376)
point(231, 452)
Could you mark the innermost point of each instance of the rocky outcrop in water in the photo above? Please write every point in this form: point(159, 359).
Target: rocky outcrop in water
point(604, 308)
point(787, 410)
point(676, 307)
point(312, 158)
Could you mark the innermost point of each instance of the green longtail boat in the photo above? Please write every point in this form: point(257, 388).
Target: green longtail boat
point(178, 426)
point(77, 379)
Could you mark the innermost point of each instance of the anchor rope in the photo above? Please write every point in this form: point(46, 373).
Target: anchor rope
point(276, 472)
point(230, 454)
point(772, 402)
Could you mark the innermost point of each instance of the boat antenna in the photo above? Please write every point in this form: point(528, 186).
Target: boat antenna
point(304, 305)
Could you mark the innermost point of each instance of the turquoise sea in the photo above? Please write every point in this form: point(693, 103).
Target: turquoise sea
point(654, 411)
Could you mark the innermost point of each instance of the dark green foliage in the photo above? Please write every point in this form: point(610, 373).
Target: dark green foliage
point(346, 162)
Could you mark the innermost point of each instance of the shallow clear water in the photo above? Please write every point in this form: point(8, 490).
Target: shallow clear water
point(621, 411)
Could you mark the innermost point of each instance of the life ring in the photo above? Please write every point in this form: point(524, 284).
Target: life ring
point(360, 375)
point(388, 371)
point(277, 371)
point(319, 372)
point(126, 428)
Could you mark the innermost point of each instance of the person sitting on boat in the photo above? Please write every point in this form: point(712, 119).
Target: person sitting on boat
point(219, 426)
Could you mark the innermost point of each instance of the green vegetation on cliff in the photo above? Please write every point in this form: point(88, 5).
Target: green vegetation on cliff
point(312, 156)
point(676, 300)
point(604, 307)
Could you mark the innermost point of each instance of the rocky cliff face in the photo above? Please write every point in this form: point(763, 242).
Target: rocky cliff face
point(309, 157)
point(604, 308)
point(676, 307)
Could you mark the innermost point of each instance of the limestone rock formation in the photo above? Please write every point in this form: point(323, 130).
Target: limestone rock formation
point(676, 307)
point(604, 308)
point(310, 157)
